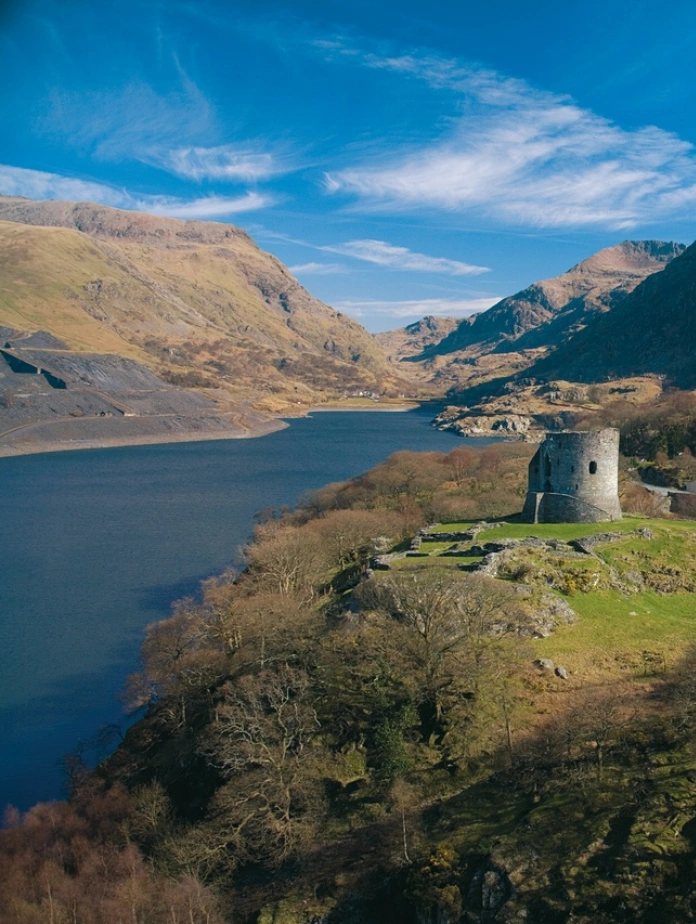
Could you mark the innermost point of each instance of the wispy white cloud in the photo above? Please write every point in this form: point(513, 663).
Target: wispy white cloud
point(318, 269)
point(416, 308)
point(35, 184)
point(230, 163)
point(522, 155)
point(162, 131)
point(384, 254)
point(204, 207)
point(128, 123)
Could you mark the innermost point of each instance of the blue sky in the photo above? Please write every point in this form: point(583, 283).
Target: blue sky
point(402, 158)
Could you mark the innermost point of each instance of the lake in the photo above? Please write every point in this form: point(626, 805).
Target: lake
point(96, 544)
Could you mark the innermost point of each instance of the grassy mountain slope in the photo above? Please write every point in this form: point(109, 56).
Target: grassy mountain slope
point(45, 284)
point(198, 302)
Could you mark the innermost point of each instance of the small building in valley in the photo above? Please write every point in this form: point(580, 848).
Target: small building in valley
point(574, 478)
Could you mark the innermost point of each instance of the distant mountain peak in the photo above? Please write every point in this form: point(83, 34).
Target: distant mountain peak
point(407, 342)
point(651, 330)
point(546, 312)
point(630, 255)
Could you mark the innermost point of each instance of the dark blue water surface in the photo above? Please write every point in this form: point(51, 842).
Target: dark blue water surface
point(96, 544)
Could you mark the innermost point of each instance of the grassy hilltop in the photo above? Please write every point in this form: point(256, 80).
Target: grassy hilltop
point(633, 595)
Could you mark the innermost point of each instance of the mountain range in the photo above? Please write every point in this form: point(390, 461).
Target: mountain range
point(650, 331)
point(547, 312)
point(191, 328)
point(624, 313)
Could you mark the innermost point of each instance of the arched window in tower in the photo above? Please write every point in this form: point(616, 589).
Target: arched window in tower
point(593, 468)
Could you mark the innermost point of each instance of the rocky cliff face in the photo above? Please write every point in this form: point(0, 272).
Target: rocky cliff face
point(198, 302)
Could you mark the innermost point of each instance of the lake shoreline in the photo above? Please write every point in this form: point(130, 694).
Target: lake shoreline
point(342, 408)
point(273, 425)
point(40, 448)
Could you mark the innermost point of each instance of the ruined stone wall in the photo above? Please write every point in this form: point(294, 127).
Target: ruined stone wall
point(683, 505)
point(562, 508)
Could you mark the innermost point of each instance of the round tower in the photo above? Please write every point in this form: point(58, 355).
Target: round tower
point(574, 478)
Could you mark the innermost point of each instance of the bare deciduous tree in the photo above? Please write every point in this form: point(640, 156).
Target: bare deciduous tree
point(264, 733)
point(287, 560)
point(454, 626)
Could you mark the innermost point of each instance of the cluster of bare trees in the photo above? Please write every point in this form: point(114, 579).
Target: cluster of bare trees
point(425, 487)
point(459, 636)
point(76, 863)
point(281, 684)
point(666, 426)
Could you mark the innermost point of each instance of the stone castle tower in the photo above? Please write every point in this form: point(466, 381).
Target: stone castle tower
point(574, 478)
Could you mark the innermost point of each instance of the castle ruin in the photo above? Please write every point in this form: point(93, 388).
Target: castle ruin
point(574, 478)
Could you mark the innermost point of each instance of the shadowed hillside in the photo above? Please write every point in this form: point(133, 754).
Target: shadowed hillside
point(547, 311)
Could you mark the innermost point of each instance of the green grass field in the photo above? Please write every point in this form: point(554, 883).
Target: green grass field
point(635, 629)
point(638, 633)
point(566, 531)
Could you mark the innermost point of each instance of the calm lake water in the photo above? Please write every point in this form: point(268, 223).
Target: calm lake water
point(96, 544)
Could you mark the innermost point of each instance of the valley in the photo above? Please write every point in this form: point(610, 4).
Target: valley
point(138, 329)
point(210, 336)
point(347, 463)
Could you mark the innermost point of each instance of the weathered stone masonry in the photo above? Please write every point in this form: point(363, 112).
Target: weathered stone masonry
point(573, 478)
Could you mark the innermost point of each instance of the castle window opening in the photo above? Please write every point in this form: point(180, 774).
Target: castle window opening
point(593, 468)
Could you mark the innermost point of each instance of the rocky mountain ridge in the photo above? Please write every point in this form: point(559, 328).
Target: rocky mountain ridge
point(617, 324)
point(546, 312)
point(414, 339)
point(650, 332)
